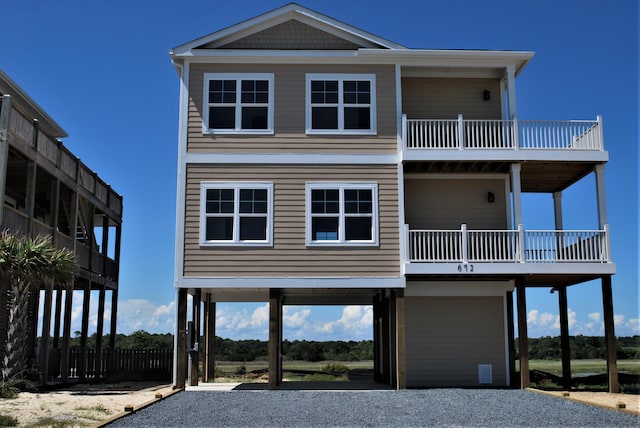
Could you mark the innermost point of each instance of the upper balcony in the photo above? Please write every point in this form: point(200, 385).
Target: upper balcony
point(503, 140)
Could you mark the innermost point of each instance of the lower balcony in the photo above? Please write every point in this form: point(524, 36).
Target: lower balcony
point(508, 252)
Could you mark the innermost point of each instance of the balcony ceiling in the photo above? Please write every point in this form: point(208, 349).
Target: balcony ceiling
point(536, 280)
point(536, 176)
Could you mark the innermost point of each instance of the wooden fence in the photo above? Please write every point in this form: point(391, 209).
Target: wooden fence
point(156, 362)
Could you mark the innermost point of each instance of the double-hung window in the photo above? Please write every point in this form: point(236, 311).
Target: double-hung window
point(238, 103)
point(343, 103)
point(342, 213)
point(236, 213)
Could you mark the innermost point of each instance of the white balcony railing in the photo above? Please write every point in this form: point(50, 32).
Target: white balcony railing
point(508, 246)
point(461, 134)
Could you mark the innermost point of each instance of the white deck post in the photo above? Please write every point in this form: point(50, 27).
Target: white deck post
point(600, 133)
point(557, 209)
point(511, 91)
point(460, 132)
point(521, 247)
point(600, 194)
point(404, 134)
point(511, 100)
point(465, 244)
point(607, 244)
point(516, 191)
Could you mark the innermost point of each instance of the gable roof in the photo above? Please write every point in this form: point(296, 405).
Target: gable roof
point(352, 36)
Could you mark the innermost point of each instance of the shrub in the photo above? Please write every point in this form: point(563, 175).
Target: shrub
point(8, 421)
point(335, 368)
point(10, 386)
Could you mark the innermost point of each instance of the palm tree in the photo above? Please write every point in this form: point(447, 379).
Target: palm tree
point(25, 263)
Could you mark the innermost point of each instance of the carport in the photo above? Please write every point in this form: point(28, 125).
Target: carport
point(388, 327)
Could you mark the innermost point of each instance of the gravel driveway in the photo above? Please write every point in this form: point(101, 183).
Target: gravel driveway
point(406, 408)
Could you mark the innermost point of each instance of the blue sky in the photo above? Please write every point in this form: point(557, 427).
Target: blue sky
point(101, 70)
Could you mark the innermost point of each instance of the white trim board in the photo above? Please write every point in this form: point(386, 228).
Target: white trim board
point(272, 158)
point(291, 282)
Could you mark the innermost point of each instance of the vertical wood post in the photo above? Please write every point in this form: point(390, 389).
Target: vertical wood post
point(66, 332)
point(275, 319)
point(511, 339)
point(57, 320)
point(194, 353)
point(609, 334)
point(54, 207)
point(393, 339)
point(565, 348)
point(210, 340)
point(376, 338)
point(205, 339)
point(46, 333)
point(30, 195)
point(280, 336)
point(523, 339)
point(5, 112)
point(401, 359)
point(180, 351)
point(84, 332)
point(99, 332)
point(112, 332)
point(386, 339)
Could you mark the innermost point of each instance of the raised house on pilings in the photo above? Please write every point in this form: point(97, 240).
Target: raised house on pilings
point(322, 164)
point(47, 190)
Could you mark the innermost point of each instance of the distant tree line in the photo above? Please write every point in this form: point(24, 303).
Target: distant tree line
point(582, 348)
point(137, 340)
point(541, 348)
point(246, 350)
point(249, 350)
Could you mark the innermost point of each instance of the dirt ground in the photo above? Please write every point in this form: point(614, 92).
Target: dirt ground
point(87, 405)
point(79, 405)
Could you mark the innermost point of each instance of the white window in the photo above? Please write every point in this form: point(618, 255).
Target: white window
point(236, 213)
point(238, 103)
point(343, 103)
point(342, 213)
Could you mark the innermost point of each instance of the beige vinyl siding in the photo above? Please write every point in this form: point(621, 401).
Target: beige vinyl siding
point(448, 203)
point(448, 337)
point(291, 35)
point(289, 255)
point(289, 113)
point(446, 98)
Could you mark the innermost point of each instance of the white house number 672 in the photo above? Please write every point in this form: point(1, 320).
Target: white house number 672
point(465, 268)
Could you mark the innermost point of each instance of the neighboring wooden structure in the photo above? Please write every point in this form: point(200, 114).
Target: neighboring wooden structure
point(321, 164)
point(46, 190)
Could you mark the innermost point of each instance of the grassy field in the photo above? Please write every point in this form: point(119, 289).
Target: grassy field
point(233, 371)
point(578, 367)
point(249, 366)
point(236, 370)
point(583, 367)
